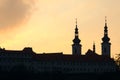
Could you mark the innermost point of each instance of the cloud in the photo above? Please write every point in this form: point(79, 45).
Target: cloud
point(15, 12)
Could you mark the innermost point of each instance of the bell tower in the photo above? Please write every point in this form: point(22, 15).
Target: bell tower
point(76, 46)
point(106, 45)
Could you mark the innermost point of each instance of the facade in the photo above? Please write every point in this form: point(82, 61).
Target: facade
point(91, 62)
point(55, 62)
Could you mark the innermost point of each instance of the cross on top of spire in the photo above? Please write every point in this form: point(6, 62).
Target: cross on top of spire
point(105, 19)
point(106, 38)
point(76, 21)
point(76, 29)
point(93, 42)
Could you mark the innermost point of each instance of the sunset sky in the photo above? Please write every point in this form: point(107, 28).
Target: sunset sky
point(48, 25)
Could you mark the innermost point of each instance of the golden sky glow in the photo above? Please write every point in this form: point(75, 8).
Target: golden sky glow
point(49, 27)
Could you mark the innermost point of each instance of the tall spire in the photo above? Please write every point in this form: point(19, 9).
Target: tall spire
point(105, 38)
point(105, 20)
point(76, 47)
point(76, 29)
point(106, 45)
point(76, 39)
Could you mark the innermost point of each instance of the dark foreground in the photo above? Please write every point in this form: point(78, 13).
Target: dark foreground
point(59, 76)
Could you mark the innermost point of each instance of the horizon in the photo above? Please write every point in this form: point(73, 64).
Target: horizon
point(48, 26)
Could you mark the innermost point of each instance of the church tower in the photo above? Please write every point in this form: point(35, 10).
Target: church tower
point(76, 47)
point(106, 45)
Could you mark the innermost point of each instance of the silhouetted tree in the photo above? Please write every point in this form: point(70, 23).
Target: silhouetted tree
point(117, 59)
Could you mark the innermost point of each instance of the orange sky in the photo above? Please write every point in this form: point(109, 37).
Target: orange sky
point(49, 27)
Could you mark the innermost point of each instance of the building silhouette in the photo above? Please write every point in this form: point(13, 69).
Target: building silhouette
point(76, 47)
point(91, 62)
point(106, 44)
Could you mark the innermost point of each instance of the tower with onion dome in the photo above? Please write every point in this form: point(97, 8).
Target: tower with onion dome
point(76, 46)
point(106, 45)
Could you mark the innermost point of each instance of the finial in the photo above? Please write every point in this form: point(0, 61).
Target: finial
point(105, 19)
point(93, 42)
point(76, 21)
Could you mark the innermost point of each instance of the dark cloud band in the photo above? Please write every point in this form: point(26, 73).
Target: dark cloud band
point(15, 12)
